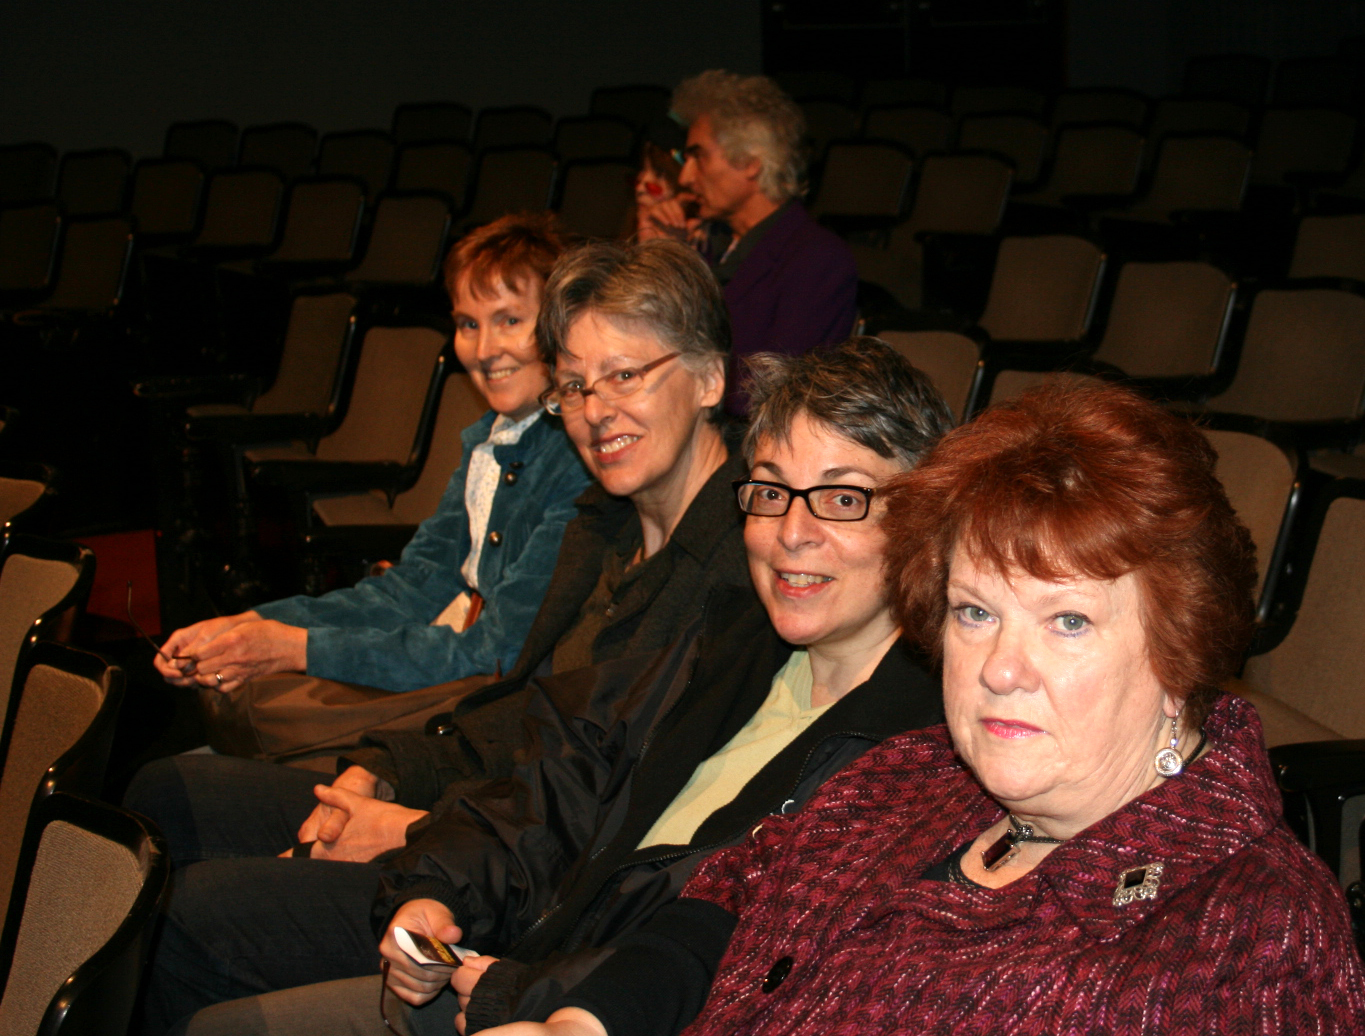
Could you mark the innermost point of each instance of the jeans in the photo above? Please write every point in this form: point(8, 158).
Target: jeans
point(238, 921)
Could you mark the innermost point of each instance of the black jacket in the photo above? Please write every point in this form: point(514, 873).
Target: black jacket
point(478, 739)
point(541, 868)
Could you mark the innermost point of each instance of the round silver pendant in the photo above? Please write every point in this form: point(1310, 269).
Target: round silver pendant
point(1169, 762)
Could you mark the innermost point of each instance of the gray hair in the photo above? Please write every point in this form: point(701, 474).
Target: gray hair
point(751, 118)
point(862, 389)
point(660, 287)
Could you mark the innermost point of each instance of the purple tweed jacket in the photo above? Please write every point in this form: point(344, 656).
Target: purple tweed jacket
point(1246, 931)
point(797, 289)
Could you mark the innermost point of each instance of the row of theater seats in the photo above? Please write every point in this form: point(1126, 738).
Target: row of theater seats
point(64, 854)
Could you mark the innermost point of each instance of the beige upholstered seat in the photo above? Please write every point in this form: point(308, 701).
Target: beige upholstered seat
point(437, 166)
point(1121, 106)
point(321, 222)
point(827, 121)
point(93, 266)
point(433, 120)
point(1303, 358)
point(864, 178)
point(28, 246)
point(365, 154)
point(319, 328)
point(385, 411)
point(1167, 319)
point(407, 242)
point(511, 180)
point(93, 183)
point(957, 194)
point(242, 210)
point(596, 197)
point(1043, 289)
point(17, 495)
point(1021, 138)
point(971, 100)
point(286, 147)
point(461, 406)
point(1011, 383)
point(1330, 246)
point(1302, 140)
point(1091, 160)
point(1259, 479)
point(1194, 174)
point(949, 359)
point(920, 129)
point(30, 587)
point(102, 866)
point(166, 198)
point(56, 707)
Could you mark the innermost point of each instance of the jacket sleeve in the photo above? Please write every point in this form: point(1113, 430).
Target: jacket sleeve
point(652, 982)
point(378, 633)
point(495, 853)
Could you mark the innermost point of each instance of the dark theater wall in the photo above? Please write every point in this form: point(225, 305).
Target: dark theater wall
point(90, 73)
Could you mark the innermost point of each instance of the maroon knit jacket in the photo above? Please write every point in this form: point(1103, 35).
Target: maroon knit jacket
point(1247, 932)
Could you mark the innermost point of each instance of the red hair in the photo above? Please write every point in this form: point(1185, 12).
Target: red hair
point(518, 248)
point(1084, 480)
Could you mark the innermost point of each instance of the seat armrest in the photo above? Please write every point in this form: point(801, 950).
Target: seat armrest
point(1313, 766)
point(323, 476)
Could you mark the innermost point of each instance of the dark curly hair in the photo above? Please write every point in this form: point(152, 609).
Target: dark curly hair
point(1086, 480)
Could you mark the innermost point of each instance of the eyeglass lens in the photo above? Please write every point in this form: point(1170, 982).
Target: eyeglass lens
point(832, 503)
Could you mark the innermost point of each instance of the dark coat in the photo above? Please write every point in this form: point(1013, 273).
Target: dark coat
point(542, 867)
point(706, 550)
point(797, 289)
point(1244, 930)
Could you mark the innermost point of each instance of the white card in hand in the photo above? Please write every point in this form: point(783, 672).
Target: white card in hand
point(428, 952)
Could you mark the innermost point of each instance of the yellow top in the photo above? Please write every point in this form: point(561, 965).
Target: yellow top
point(784, 714)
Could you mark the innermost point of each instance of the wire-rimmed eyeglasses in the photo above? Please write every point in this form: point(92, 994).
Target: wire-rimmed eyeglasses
point(828, 503)
point(615, 385)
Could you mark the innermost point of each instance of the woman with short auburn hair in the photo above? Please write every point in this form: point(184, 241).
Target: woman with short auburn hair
point(1093, 843)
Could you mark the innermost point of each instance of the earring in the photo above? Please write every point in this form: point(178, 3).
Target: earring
point(1169, 762)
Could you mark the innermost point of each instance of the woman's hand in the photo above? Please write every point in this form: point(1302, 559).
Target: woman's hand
point(177, 666)
point(464, 980)
point(567, 1021)
point(351, 823)
point(409, 980)
point(239, 648)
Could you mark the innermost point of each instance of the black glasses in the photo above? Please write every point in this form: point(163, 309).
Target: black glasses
point(615, 385)
point(828, 503)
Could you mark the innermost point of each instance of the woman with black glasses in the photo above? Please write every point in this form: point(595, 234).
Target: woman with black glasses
point(636, 770)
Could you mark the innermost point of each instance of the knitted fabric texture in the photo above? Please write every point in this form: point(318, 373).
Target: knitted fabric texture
point(1247, 932)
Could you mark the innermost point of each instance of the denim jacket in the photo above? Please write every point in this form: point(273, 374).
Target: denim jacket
point(378, 632)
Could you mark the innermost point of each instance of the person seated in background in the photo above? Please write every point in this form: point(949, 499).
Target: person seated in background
point(637, 337)
point(462, 597)
point(790, 284)
point(1095, 843)
point(636, 770)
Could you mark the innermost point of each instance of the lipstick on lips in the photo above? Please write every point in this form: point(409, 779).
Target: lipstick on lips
point(1010, 728)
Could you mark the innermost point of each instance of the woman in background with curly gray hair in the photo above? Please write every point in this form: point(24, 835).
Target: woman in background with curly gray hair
point(790, 284)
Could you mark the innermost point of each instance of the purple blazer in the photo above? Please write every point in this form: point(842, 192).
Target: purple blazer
point(797, 289)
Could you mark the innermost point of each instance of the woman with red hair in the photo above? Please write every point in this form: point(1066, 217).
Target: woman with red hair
point(1094, 841)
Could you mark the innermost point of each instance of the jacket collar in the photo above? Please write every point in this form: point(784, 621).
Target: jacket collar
point(1190, 825)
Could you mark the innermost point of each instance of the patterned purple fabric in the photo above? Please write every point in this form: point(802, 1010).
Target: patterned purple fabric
point(1247, 932)
point(797, 289)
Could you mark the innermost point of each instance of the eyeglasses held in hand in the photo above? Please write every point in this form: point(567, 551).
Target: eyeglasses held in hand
point(143, 633)
point(615, 385)
point(828, 503)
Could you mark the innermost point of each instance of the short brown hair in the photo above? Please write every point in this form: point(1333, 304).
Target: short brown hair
point(862, 389)
point(1086, 480)
point(659, 286)
point(520, 247)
